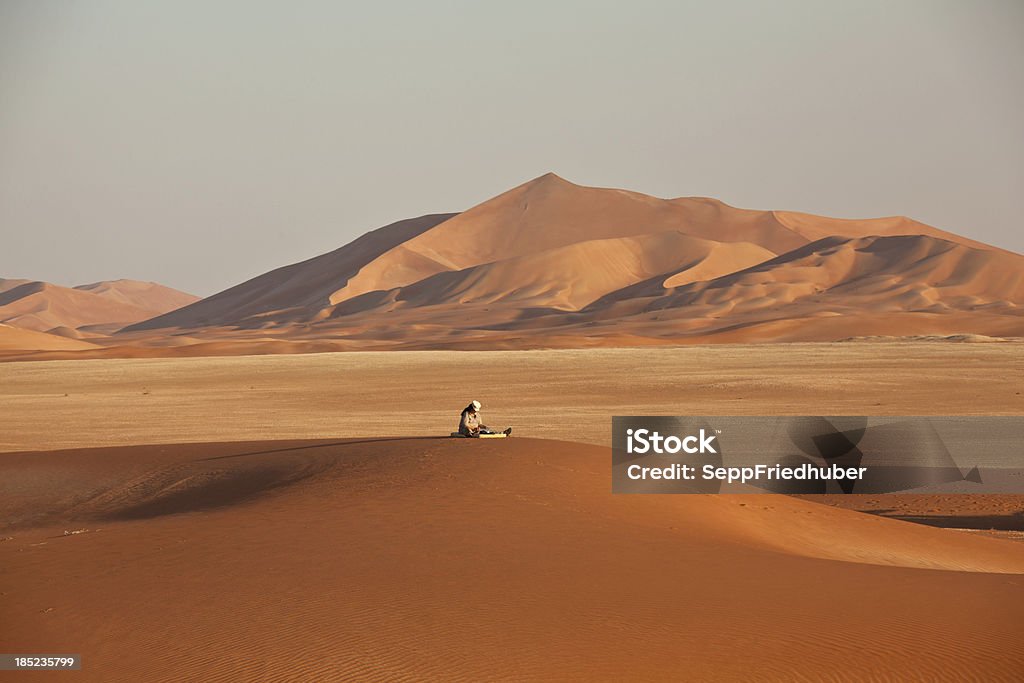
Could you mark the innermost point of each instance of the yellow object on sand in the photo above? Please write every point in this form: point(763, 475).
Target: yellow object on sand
point(479, 436)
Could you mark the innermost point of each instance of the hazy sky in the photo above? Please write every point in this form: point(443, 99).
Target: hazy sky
point(201, 143)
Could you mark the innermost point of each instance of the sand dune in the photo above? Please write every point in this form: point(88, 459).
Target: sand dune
point(550, 212)
point(42, 306)
point(294, 289)
point(554, 264)
point(570, 277)
point(68, 332)
point(16, 339)
point(845, 284)
point(898, 273)
point(148, 295)
point(832, 289)
point(814, 228)
point(421, 558)
point(10, 283)
point(256, 553)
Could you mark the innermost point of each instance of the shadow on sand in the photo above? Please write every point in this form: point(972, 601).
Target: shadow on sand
point(206, 484)
point(1013, 521)
point(328, 445)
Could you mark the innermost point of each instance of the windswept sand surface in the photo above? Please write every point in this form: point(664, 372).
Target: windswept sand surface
point(442, 559)
point(234, 548)
point(568, 395)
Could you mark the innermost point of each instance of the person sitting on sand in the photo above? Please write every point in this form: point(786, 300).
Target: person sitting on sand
point(469, 423)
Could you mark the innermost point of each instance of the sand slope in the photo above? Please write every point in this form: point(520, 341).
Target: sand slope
point(553, 264)
point(10, 283)
point(303, 286)
point(16, 339)
point(550, 212)
point(148, 295)
point(843, 285)
point(43, 306)
point(569, 277)
point(412, 559)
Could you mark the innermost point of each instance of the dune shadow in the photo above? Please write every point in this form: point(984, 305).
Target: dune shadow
point(202, 485)
point(327, 445)
point(199, 493)
point(1013, 521)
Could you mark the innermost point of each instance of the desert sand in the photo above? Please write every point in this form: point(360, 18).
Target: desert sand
point(443, 559)
point(258, 485)
point(551, 264)
point(996, 515)
point(566, 394)
point(14, 340)
point(554, 265)
point(44, 307)
point(299, 517)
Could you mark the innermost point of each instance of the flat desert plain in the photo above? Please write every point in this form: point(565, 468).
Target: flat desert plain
point(304, 518)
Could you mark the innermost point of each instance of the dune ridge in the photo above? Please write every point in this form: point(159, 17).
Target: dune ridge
point(151, 296)
point(42, 306)
point(16, 339)
point(552, 264)
point(309, 283)
point(414, 558)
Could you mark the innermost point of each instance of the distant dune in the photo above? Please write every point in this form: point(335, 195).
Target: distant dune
point(305, 285)
point(146, 295)
point(42, 306)
point(444, 559)
point(551, 264)
point(19, 339)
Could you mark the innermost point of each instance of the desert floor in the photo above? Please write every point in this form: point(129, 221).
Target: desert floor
point(568, 395)
point(299, 518)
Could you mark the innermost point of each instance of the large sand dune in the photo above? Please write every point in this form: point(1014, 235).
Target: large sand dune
point(419, 558)
point(146, 295)
point(43, 306)
point(553, 264)
point(570, 277)
point(854, 283)
point(305, 285)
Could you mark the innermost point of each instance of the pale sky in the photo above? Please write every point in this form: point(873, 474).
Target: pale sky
point(199, 144)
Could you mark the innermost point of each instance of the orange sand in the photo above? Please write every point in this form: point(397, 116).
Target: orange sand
point(412, 559)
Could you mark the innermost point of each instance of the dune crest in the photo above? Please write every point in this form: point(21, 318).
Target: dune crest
point(148, 295)
point(570, 277)
point(550, 263)
point(42, 306)
point(20, 339)
point(445, 559)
